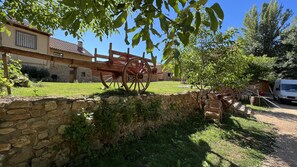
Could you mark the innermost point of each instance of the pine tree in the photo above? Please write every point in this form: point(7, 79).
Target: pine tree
point(286, 64)
point(261, 32)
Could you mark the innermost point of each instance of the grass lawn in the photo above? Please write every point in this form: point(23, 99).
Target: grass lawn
point(88, 89)
point(258, 108)
point(192, 142)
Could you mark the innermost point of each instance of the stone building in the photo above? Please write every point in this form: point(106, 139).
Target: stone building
point(29, 39)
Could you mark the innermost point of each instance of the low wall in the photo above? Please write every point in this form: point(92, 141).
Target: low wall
point(31, 128)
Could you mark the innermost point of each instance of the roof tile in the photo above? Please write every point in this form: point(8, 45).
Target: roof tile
point(68, 47)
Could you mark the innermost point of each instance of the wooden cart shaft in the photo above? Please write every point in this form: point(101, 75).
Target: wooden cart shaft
point(100, 66)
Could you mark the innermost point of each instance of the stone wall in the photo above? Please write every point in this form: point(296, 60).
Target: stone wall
point(31, 128)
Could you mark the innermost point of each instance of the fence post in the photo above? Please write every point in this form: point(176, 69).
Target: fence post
point(5, 68)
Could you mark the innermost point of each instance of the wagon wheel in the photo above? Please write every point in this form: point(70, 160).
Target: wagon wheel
point(228, 97)
point(110, 79)
point(136, 75)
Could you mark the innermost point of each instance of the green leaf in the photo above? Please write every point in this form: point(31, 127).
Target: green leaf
point(213, 19)
point(136, 4)
point(183, 2)
point(164, 24)
point(149, 46)
point(154, 59)
point(136, 39)
point(166, 5)
point(174, 5)
point(89, 17)
point(159, 4)
point(202, 2)
point(155, 32)
point(206, 23)
point(120, 20)
point(66, 33)
point(176, 70)
point(197, 22)
point(176, 54)
point(167, 61)
point(8, 33)
point(121, 6)
point(184, 38)
point(69, 3)
point(69, 17)
point(132, 29)
point(172, 33)
point(126, 33)
point(217, 8)
point(166, 53)
point(187, 38)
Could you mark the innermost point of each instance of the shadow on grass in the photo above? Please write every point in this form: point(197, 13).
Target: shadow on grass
point(172, 145)
point(119, 92)
point(250, 137)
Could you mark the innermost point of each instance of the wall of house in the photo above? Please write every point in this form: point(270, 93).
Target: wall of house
point(31, 61)
point(61, 70)
point(31, 129)
point(9, 41)
point(42, 46)
point(162, 75)
point(71, 55)
point(63, 73)
point(84, 74)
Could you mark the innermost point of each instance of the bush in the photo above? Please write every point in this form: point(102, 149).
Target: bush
point(16, 78)
point(35, 73)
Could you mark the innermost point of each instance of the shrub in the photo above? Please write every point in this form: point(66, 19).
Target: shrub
point(79, 133)
point(16, 78)
point(35, 73)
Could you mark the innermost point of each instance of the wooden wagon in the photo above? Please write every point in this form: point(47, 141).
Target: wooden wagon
point(120, 70)
point(125, 70)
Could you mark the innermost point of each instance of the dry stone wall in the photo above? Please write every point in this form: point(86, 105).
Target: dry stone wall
point(32, 128)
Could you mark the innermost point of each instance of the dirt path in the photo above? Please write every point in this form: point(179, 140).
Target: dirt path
point(285, 120)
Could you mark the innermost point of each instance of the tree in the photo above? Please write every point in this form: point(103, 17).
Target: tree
point(261, 32)
point(215, 61)
point(286, 63)
point(261, 68)
point(104, 17)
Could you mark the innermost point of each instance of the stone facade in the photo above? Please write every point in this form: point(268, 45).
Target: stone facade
point(31, 128)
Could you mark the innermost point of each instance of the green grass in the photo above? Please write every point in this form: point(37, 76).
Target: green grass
point(258, 108)
point(88, 89)
point(192, 142)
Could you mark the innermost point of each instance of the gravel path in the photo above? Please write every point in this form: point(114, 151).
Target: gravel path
point(285, 121)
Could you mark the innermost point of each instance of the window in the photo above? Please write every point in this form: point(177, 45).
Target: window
point(57, 54)
point(25, 40)
point(83, 74)
point(169, 74)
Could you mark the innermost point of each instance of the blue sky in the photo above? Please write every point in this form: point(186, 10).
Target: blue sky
point(234, 13)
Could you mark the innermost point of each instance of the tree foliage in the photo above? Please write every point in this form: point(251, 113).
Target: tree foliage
point(215, 60)
point(262, 31)
point(286, 63)
point(261, 68)
point(177, 19)
point(16, 78)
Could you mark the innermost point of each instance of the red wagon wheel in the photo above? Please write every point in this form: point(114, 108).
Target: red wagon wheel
point(136, 75)
point(110, 79)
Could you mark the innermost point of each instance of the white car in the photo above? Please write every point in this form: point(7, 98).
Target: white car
point(285, 90)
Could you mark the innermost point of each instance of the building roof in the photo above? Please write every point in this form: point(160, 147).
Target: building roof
point(25, 24)
point(68, 47)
